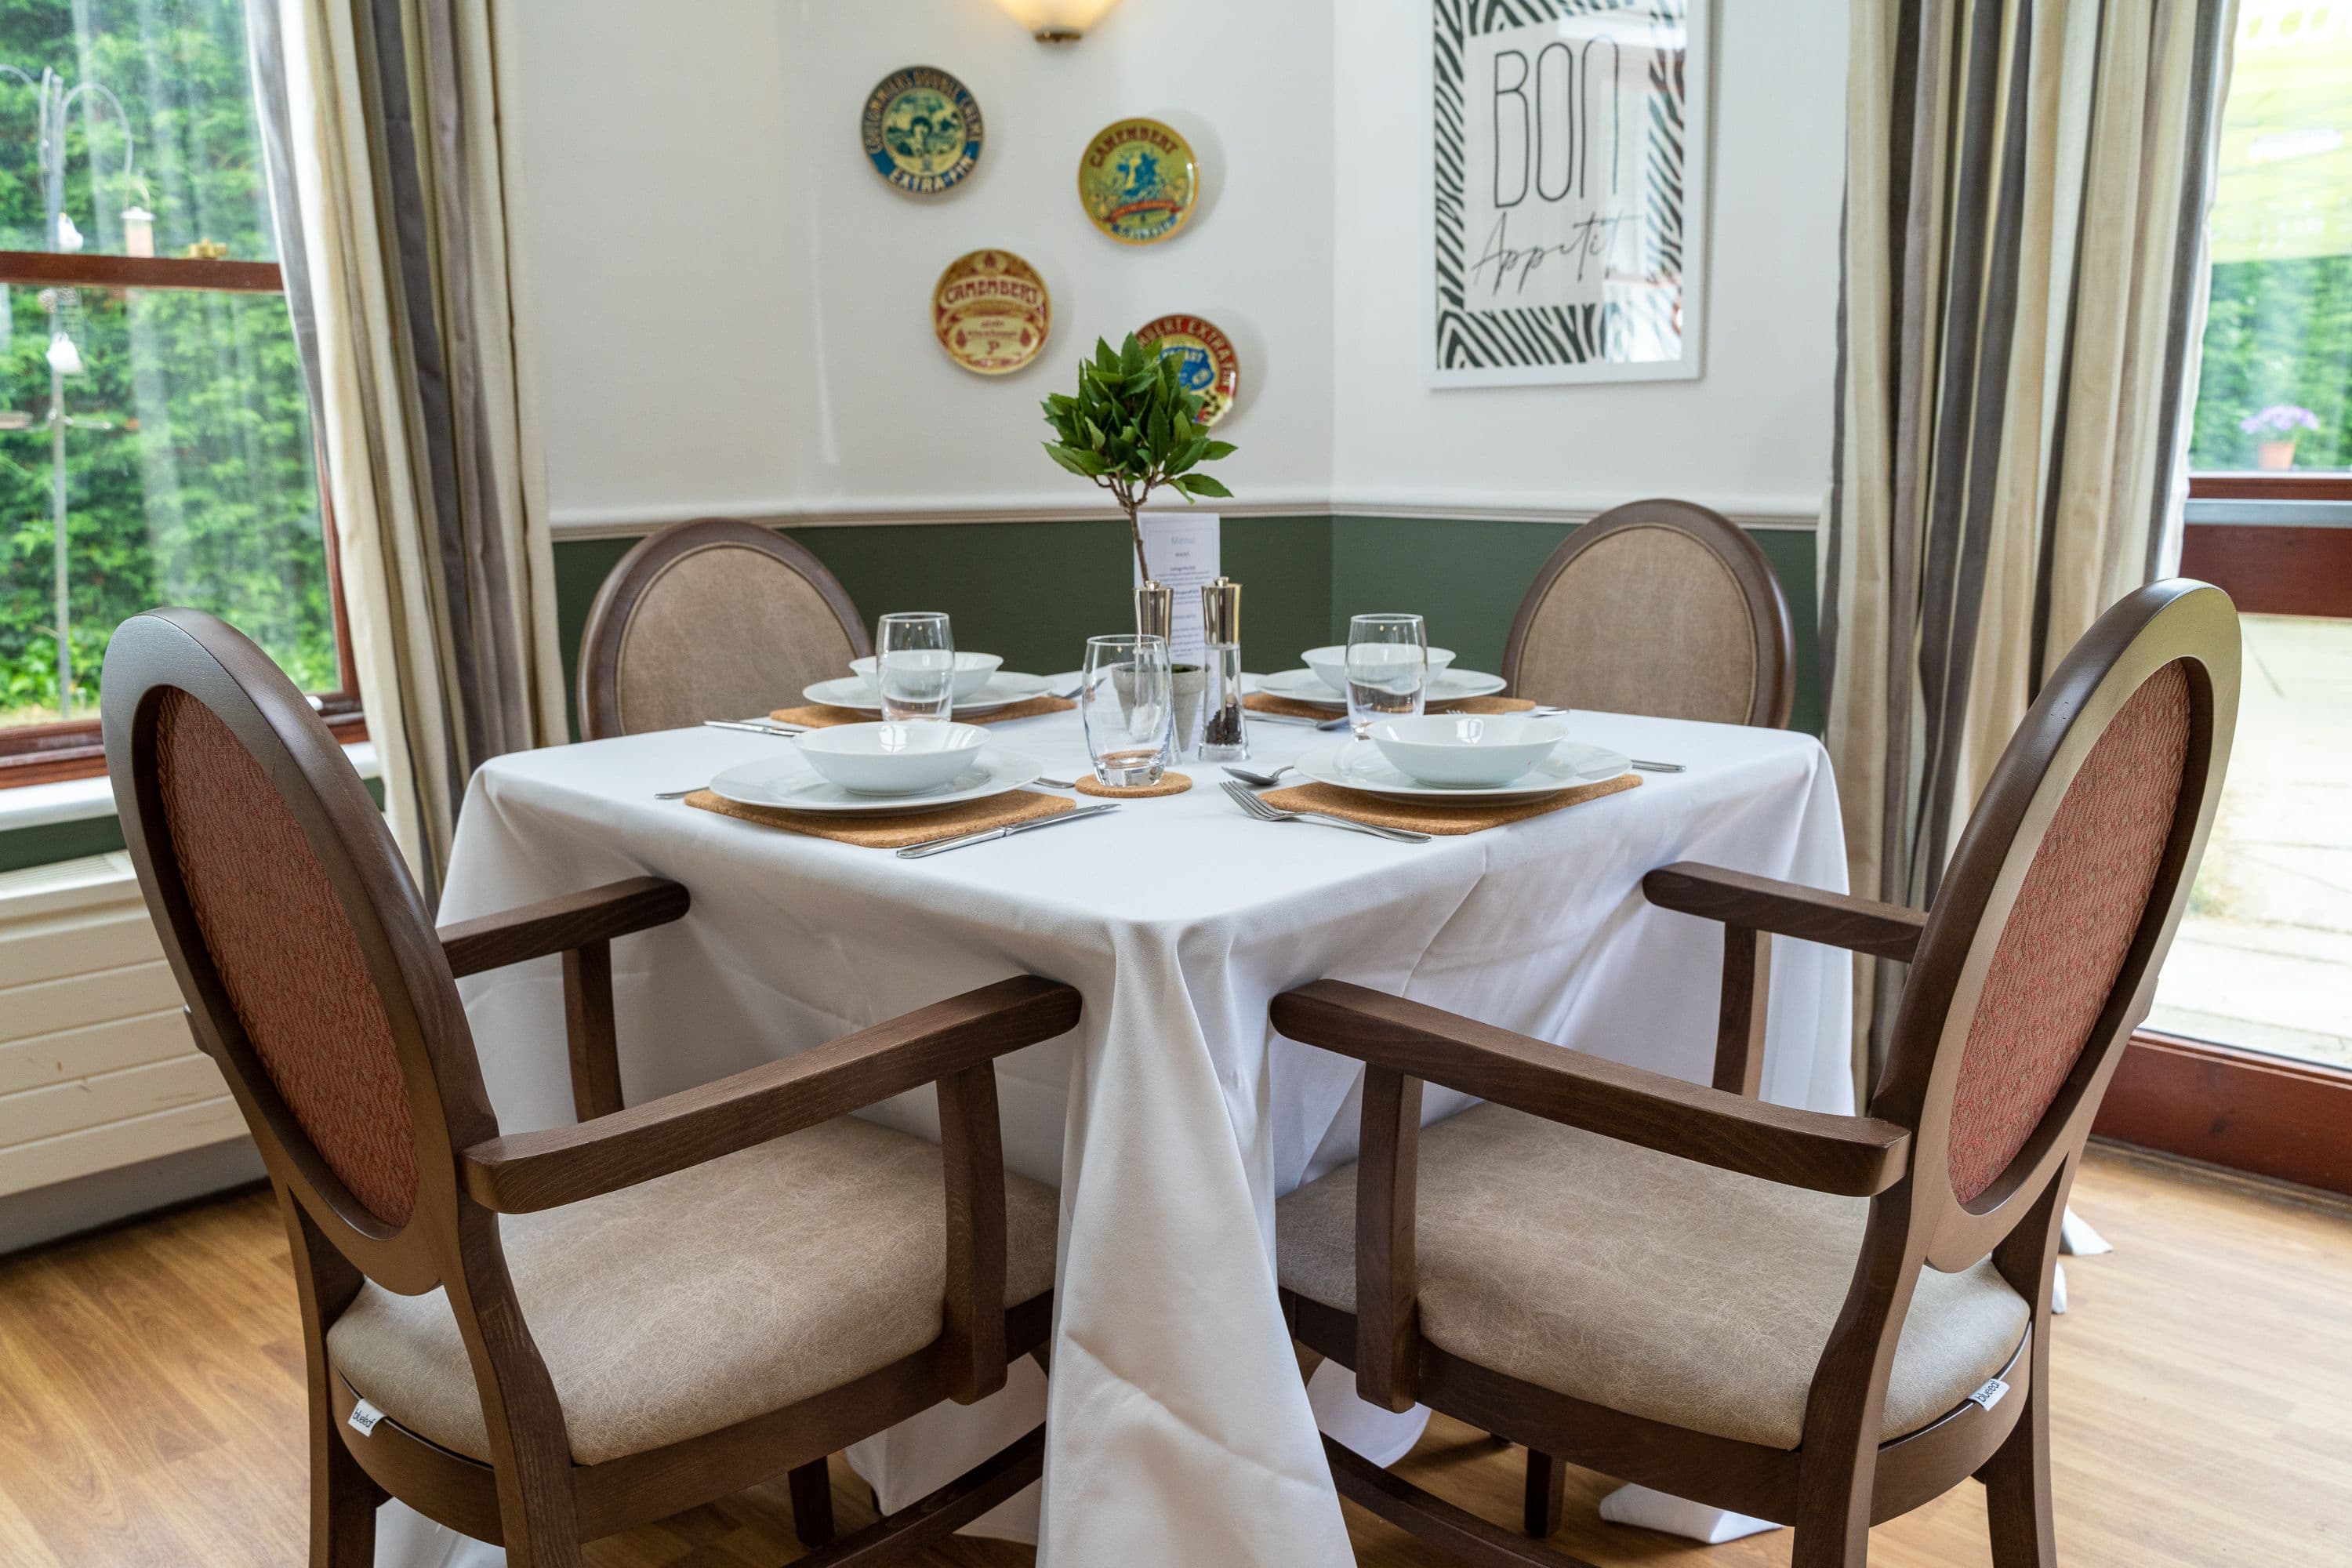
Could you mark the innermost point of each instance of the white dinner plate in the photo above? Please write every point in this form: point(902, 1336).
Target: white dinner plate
point(1448, 686)
point(1359, 765)
point(1003, 689)
point(789, 784)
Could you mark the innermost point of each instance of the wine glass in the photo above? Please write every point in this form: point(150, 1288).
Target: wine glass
point(1388, 669)
point(914, 666)
point(1128, 707)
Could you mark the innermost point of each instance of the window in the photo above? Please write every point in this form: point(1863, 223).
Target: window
point(155, 443)
point(2256, 998)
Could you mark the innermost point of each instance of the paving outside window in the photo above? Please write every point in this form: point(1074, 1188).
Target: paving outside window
point(2264, 955)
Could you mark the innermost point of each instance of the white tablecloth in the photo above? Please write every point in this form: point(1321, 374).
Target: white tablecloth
point(1172, 1117)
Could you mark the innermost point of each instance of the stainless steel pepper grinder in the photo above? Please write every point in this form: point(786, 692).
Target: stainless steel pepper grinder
point(1225, 732)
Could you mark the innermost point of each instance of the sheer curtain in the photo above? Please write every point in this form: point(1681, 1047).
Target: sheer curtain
point(2026, 189)
point(395, 185)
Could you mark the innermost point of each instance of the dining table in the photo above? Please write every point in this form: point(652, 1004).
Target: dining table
point(1178, 1428)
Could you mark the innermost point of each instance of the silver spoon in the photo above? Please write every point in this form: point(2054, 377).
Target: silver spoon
point(1262, 781)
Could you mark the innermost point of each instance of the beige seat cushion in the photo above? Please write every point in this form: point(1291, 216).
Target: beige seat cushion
point(687, 1303)
point(725, 632)
point(1649, 1284)
point(1648, 620)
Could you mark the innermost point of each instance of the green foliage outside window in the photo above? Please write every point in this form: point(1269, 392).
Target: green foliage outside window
point(199, 487)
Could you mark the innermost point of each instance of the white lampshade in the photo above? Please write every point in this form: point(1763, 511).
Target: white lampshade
point(1057, 21)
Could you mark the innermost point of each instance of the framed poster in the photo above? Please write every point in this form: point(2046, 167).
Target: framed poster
point(1569, 190)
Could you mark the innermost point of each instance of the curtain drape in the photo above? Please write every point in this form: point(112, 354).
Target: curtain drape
point(395, 179)
point(2026, 188)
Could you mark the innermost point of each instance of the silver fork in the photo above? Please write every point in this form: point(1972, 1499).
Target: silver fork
point(1265, 813)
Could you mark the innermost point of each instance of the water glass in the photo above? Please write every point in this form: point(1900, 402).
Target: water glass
point(914, 665)
point(1127, 705)
point(1388, 669)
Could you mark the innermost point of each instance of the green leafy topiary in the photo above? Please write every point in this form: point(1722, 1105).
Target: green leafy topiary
point(1132, 428)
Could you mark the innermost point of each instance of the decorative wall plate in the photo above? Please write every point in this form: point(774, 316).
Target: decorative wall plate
point(1204, 359)
point(990, 311)
point(922, 129)
point(1138, 181)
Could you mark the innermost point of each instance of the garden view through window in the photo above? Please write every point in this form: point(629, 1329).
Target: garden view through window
point(166, 429)
point(2264, 955)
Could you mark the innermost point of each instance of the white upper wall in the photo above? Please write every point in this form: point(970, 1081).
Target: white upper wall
point(734, 310)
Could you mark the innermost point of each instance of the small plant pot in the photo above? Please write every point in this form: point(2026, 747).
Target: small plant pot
point(1190, 682)
point(2274, 454)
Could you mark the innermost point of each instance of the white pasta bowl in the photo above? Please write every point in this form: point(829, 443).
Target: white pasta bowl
point(1467, 751)
point(1331, 664)
point(971, 671)
point(892, 759)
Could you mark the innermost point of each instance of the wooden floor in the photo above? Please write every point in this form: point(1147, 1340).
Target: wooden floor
point(151, 1405)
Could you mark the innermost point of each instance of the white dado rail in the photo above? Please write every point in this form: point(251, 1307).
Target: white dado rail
point(98, 1070)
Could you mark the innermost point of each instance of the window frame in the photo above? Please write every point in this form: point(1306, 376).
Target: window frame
point(73, 748)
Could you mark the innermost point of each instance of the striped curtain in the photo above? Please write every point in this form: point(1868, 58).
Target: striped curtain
point(2026, 187)
point(396, 184)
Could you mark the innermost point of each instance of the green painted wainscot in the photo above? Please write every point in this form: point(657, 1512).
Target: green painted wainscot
point(1035, 591)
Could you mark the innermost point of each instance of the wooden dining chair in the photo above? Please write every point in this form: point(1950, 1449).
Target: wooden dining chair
point(541, 1338)
point(1823, 1320)
point(712, 619)
point(1659, 607)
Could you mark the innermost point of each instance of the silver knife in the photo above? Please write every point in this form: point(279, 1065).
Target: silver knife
point(939, 845)
point(756, 728)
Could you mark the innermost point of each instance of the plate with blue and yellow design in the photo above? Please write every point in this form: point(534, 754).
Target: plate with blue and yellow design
point(922, 130)
point(1205, 361)
point(1138, 181)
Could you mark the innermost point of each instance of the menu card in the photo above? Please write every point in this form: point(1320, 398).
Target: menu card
point(1182, 548)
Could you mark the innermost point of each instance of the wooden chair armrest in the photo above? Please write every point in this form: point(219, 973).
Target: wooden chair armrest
point(1787, 909)
point(1856, 1156)
point(561, 924)
point(581, 926)
point(523, 1173)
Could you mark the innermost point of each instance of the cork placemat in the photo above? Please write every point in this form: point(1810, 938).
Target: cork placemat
point(893, 830)
point(1266, 702)
point(1445, 820)
point(819, 715)
point(1170, 784)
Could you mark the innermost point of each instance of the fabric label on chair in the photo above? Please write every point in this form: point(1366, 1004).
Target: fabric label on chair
point(1986, 1397)
point(365, 1416)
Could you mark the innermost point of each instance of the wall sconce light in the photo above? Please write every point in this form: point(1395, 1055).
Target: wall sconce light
point(1057, 21)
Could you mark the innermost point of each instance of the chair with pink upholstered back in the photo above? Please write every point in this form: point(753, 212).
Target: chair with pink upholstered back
point(546, 1337)
point(1824, 1320)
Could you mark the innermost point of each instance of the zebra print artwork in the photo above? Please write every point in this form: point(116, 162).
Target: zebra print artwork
point(1569, 189)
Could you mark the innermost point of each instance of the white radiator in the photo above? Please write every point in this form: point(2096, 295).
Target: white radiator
point(96, 1066)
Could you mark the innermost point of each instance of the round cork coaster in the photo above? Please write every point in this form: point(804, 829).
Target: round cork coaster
point(1170, 784)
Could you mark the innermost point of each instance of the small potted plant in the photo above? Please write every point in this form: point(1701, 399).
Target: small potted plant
point(1132, 427)
point(2276, 430)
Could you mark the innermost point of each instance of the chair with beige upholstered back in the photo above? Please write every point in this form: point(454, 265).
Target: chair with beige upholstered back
point(1824, 1320)
point(543, 1338)
point(712, 619)
point(1658, 608)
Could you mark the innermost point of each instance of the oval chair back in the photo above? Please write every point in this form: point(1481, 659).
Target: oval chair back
point(2038, 959)
point(1659, 607)
point(712, 619)
point(316, 979)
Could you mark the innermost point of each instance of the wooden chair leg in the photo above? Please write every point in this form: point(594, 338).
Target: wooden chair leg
point(1547, 1493)
point(2017, 1492)
point(811, 1486)
point(344, 1500)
